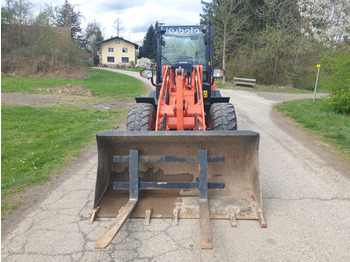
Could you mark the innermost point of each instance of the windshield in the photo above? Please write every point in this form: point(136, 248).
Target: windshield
point(183, 49)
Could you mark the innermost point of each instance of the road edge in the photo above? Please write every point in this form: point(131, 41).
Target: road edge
point(311, 142)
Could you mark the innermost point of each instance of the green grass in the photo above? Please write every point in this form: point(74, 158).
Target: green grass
point(131, 69)
point(37, 142)
point(104, 83)
point(319, 119)
point(321, 89)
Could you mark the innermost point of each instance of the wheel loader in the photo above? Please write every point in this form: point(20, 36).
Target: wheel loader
point(181, 155)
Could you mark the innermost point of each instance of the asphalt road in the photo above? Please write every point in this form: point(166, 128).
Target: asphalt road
point(306, 198)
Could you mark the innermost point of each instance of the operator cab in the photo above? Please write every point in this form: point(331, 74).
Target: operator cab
point(183, 50)
point(183, 47)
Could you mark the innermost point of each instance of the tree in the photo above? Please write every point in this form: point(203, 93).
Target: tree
point(92, 38)
point(149, 45)
point(32, 47)
point(328, 21)
point(16, 13)
point(280, 40)
point(66, 16)
point(118, 26)
point(261, 39)
point(208, 12)
point(228, 17)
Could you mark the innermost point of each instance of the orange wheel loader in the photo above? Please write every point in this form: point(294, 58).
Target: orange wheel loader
point(181, 155)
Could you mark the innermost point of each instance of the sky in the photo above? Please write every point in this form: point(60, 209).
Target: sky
point(136, 15)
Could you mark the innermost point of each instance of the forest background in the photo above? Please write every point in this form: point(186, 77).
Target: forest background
point(276, 42)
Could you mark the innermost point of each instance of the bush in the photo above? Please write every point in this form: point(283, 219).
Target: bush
point(304, 78)
point(277, 57)
point(336, 78)
point(37, 50)
point(241, 66)
point(144, 63)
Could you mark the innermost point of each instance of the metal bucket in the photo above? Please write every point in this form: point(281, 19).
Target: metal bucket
point(171, 158)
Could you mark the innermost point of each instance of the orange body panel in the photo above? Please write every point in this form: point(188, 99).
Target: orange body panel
point(181, 100)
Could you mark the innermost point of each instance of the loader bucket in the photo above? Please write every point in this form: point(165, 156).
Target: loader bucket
point(170, 168)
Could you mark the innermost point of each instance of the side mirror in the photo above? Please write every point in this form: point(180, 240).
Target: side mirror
point(147, 73)
point(218, 73)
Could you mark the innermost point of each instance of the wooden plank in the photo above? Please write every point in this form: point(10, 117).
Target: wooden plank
point(117, 224)
point(146, 222)
point(176, 216)
point(262, 220)
point(93, 215)
point(127, 210)
point(233, 219)
point(244, 79)
point(206, 236)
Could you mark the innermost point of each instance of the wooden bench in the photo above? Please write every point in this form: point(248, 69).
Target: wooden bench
point(244, 81)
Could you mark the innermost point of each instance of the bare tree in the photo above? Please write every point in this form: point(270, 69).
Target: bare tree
point(17, 14)
point(66, 16)
point(92, 37)
point(228, 17)
point(283, 24)
point(118, 25)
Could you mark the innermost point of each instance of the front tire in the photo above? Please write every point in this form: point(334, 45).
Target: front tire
point(140, 117)
point(223, 116)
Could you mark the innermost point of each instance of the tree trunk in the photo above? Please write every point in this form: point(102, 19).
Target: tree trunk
point(224, 54)
point(52, 56)
point(37, 57)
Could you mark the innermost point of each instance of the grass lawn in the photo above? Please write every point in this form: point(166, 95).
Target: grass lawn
point(138, 70)
point(36, 141)
point(104, 83)
point(317, 118)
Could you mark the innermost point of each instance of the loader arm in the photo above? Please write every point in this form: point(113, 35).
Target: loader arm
point(180, 104)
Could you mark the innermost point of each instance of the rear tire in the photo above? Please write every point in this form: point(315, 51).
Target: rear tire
point(223, 116)
point(140, 117)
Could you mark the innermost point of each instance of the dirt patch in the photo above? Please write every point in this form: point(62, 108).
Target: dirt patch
point(44, 100)
point(62, 72)
point(68, 89)
point(282, 97)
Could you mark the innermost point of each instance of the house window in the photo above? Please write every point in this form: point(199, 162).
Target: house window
point(117, 42)
point(110, 49)
point(125, 50)
point(125, 59)
point(110, 59)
